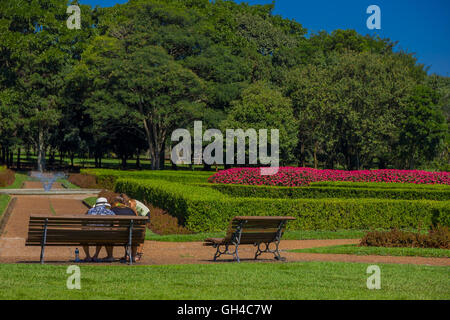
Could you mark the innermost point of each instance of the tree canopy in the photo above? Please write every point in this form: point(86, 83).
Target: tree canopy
point(135, 72)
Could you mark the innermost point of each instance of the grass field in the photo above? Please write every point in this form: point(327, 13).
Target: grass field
point(4, 200)
point(379, 251)
point(67, 184)
point(314, 280)
point(289, 235)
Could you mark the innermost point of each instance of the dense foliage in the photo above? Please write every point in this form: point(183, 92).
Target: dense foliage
point(137, 71)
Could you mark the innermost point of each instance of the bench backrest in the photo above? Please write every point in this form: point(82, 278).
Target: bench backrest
point(258, 229)
point(85, 230)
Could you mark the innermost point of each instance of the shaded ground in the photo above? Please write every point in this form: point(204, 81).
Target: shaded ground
point(13, 250)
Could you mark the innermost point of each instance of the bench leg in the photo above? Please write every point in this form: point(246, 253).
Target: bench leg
point(219, 253)
point(275, 252)
point(130, 242)
point(236, 254)
point(44, 241)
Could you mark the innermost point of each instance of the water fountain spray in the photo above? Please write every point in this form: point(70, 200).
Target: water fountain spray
point(48, 178)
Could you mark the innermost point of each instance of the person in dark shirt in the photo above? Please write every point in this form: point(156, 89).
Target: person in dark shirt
point(121, 206)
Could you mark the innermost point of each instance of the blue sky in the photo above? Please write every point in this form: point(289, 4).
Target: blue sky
point(421, 27)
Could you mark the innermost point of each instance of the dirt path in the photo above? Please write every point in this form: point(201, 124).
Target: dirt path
point(12, 240)
point(13, 249)
point(40, 185)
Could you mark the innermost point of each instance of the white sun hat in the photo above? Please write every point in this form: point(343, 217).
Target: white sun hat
point(102, 202)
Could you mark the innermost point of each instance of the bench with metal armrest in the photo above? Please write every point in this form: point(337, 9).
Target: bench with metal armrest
point(262, 232)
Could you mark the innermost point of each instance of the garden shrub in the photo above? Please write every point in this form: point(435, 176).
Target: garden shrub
point(7, 177)
point(318, 192)
point(161, 221)
point(203, 209)
point(380, 185)
point(86, 181)
point(106, 178)
point(438, 238)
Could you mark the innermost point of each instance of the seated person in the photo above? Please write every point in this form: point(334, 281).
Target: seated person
point(101, 208)
point(122, 207)
point(142, 211)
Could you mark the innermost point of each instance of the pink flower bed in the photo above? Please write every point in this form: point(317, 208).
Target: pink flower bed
point(292, 177)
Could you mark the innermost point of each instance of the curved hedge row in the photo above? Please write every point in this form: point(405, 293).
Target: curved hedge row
point(203, 209)
point(107, 178)
point(381, 185)
point(319, 192)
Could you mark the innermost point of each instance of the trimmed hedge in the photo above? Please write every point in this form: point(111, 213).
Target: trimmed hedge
point(380, 185)
point(203, 209)
point(107, 178)
point(318, 192)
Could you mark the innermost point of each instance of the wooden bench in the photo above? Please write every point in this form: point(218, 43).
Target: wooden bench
point(256, 231)
point(84, 230)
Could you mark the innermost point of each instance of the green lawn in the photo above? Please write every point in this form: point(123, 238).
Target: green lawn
point(66, 183)
point(90, 201)
point(379, 251)
point(4, 200)
point(259, 281)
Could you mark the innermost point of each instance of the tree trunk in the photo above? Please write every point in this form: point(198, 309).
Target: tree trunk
point(41, 151)
point(302, 154)
point(138, 159)
point(18, 159)
point(71, 159)
point(2, 156)
point(162, 157)
point(316, 164)
point(11, 159)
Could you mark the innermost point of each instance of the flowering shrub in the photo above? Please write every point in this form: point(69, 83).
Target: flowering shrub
point(295, 177)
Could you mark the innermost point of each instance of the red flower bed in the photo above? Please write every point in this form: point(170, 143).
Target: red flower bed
point(294, 177)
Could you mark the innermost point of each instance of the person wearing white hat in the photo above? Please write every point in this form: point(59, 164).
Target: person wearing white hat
point(101, 208)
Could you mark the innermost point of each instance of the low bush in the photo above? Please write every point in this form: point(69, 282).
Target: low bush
point(381, 185)
point(85, 181)
point(106, 178)
point(161, 222)
point(438, 238)
point(319, 192)
point(203, 209)
point(7, 177)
